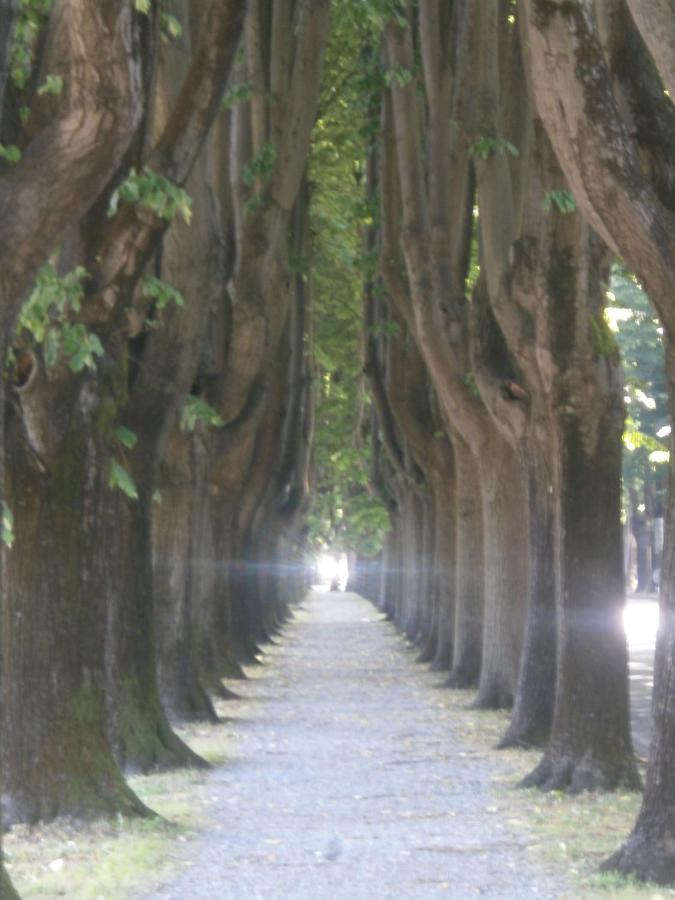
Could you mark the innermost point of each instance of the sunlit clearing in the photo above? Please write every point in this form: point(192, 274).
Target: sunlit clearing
point(641, 621)
point(332, 571)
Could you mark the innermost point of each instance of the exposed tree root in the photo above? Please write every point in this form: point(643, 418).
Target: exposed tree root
point(442, 661)
point(79, 797)
point(558, 772)
point(493, 697)
point(463, 676)
point(526, 735)
point(148, 743)
point(645, 857)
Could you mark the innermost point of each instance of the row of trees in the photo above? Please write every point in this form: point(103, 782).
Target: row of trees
point(158, 399)
point(191, 221)
point(522, 148)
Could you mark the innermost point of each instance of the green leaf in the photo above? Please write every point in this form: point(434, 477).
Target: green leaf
point(171, 27)
point(7, 526)
point(142, 6)
point(563, 200)
point(11, 153)
point(261, 165)
point(156, 496)
point(198, 410)
point(125, 436)
point(119, 478)
point(485, 147)
point(53, 84)
point(239, 94)
point(154, 192)
point(162, 292)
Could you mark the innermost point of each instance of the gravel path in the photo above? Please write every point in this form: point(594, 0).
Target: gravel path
point(349, 783)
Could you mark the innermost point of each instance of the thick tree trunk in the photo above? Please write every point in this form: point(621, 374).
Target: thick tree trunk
point(427, 582)
point(591, 745)
point(505, 565)
point(221, 638)
point(533, 707)
point(183, 697)
point(140, 732)
point(445, 514)
point(470, 584)
point(56, 757)
point(411, 552)
point(649, 852)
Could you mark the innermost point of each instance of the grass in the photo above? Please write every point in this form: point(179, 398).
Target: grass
point(572, 835)
point(108, 860)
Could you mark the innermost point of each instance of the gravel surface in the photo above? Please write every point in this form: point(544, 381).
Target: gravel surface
point(350, 782)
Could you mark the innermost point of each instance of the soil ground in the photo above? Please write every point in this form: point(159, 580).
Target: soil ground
point(352, 780)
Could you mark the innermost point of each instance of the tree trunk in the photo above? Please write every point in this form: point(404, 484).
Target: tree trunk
point(649, 852)
point(445, 572)
point(56, 757)
point(140, 732)
point(533, 708)
point(505, 566)
point(591, 745)
point(174, 550)
point(427, 582)
point(470, 585)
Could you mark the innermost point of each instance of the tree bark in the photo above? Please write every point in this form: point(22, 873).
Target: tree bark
point(56, 755)
point(470, 585)
point(591, 747)
point(505, 561)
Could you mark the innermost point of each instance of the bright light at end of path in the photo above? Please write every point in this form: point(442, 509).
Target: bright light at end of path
point(331, 569)
point(641, 622)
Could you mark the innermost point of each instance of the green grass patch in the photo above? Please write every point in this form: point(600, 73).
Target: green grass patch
point(113, 859)
point(568, 835)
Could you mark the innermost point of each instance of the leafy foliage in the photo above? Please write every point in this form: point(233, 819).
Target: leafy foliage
point(119, 477)
point(53, 84)
point(562, 200)
point(10, 153)
point(345, 514)
point(46, 318)
point(154, 192)
point(241, 93)
point(485, 147)
point(31, 18)
point(639, 336)
point(126, 437)
point(161, 292)
point(198, 410)
point(261, 165)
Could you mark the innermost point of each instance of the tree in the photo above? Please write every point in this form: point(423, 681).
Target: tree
point(621, 177)
point(72, 417)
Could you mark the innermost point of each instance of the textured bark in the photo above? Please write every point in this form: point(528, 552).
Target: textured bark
point(8, 15)
point(533, 707)
point(57, 759)
point(70, 159)
point(656, 23)
point(505, 561)
point(182, 695)
point(137, 725)
point(429, 294)
point(649, 852)
point(445, 571)
point(590, 746)
point(470, 587)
